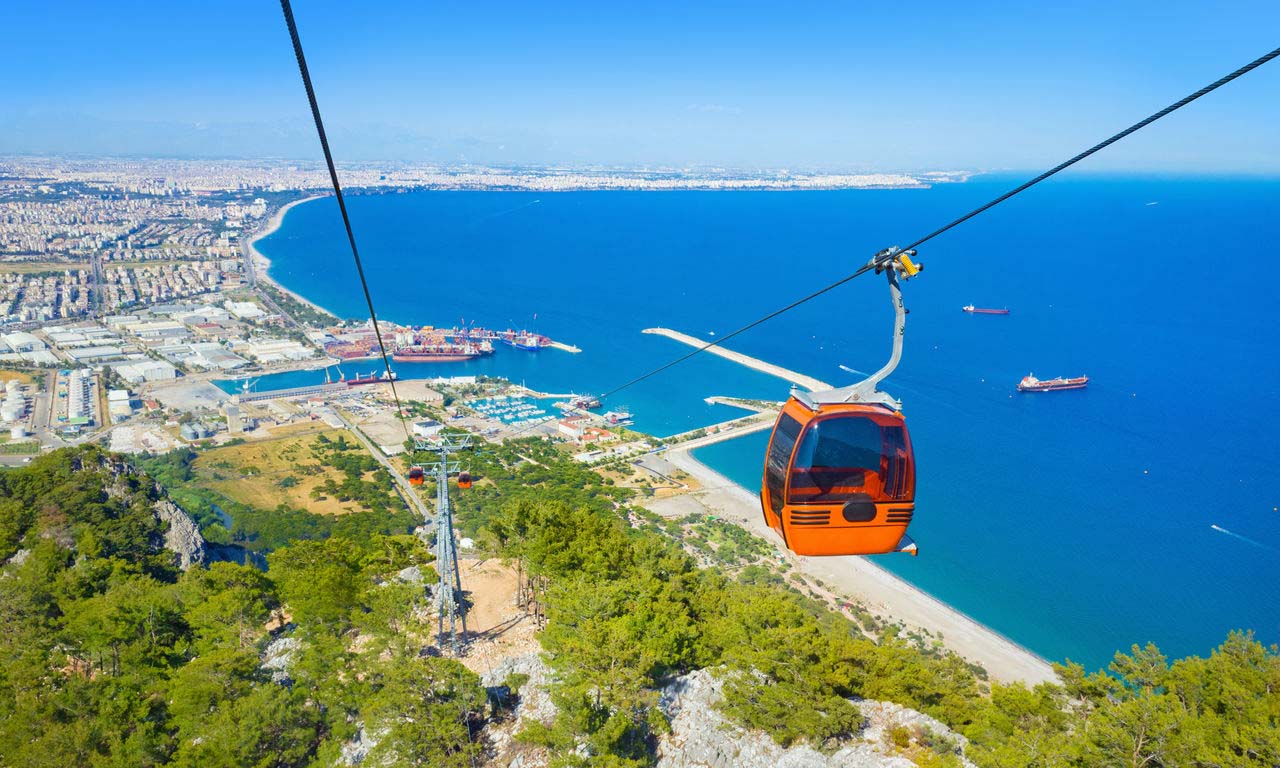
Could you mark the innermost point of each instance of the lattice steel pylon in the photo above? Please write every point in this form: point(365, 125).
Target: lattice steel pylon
point(451, 609)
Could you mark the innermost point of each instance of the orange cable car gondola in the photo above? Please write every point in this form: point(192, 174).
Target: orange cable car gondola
point(416, 475)
point(464, 480)
point(839, 473)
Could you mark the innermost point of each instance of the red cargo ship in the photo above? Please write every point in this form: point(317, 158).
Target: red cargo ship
point(983, 311)
point(1030, 383)
point(372, 378)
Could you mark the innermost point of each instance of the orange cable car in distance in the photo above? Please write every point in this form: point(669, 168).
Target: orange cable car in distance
point(839, 473)
point(464, 480)
point(416, 475)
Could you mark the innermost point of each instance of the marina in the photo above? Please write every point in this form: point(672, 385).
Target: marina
point(510, 410)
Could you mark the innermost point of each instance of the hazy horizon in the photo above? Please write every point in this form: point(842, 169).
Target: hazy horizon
point(834, 89)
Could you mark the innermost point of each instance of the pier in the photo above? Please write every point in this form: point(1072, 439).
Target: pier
point(285, 394)
point(799, 379)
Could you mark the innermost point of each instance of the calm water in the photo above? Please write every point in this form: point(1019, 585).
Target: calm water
point(1075, 522)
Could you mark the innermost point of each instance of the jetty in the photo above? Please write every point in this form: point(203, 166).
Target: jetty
point(799, 379)
point(292, 392)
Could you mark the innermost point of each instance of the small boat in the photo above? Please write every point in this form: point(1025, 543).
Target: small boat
point(583, 402)
point(1030, 383)
point(619, 418)
point(983, 310)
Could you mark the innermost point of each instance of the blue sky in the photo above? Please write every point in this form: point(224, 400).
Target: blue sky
point(828, 85)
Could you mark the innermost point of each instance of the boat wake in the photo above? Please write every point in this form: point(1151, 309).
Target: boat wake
point(1245, 539)
point(506, 212)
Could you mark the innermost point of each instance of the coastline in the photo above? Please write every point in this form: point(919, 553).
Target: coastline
point(261, 265)
point(882, 592)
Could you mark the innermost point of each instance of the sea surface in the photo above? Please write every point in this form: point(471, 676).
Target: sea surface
point(1143, 508)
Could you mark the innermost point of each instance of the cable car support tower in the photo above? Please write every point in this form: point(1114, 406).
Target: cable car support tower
point(451, 609)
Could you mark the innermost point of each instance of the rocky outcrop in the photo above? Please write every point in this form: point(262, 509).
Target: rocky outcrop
point(356, 751)
point(534, 705)
point(183, 536)
point(701, 737)
point(277, 657)
point(880, 718)
point(411, 576)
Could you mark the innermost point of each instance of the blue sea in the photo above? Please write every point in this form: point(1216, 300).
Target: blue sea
point(1077, 523)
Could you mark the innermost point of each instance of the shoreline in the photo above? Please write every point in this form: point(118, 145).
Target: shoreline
point(882, 592)
point(799, 379)
point(261, 265)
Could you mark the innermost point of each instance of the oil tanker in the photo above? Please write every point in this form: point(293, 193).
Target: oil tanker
point(983, 310)
point(1030, 383)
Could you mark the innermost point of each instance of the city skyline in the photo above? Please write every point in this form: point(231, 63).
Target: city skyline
point(853, 89)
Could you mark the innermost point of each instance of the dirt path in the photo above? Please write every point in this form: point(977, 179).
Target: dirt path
point(498, 629)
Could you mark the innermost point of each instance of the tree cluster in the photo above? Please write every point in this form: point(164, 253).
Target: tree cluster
point(625, 610)
point(112, 657)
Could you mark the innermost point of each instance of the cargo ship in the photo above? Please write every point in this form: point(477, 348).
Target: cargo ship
point(522, 339)
point(352, 351)
point(983, 310)
point(373, 378)
point(436, 353)
point(1030, 383)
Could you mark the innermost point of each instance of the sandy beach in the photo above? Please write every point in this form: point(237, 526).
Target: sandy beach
point(261, 265)
point(883, 593)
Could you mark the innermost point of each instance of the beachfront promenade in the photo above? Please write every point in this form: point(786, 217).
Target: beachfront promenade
point(799, 379)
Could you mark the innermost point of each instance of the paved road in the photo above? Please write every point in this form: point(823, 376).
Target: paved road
point(406, 489)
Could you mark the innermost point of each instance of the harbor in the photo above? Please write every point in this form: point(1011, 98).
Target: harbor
point(429, 344)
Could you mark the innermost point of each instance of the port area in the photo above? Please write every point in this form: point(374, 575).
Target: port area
point(799, 379)
point(428, 343)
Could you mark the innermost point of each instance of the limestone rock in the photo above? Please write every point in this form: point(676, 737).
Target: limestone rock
point(702, 738)
point(356, 751)
point(534, 704)
point(277, 656)
point(183, 536)
point(411, 575)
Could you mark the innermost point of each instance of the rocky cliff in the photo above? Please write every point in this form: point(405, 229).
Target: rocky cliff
point(702, 738)
point(183, 537)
